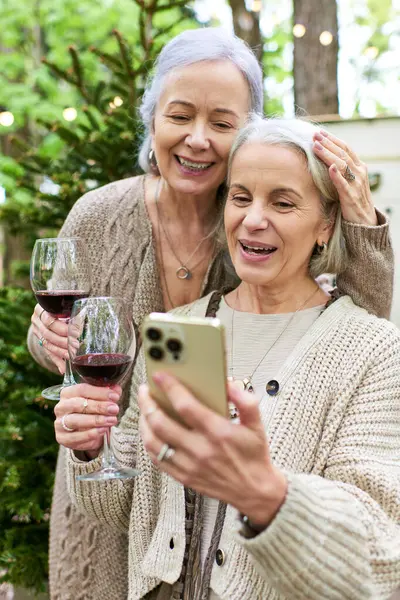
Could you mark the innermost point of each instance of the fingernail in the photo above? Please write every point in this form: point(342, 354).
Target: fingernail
point(159, 377)
point(111, 420)
point(318, 146)
point(113, 397)
point(112, 409)
point(318, 136)
point(334, 168)
point(325, 133)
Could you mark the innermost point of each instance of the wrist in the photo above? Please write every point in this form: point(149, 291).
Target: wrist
point(266, 504)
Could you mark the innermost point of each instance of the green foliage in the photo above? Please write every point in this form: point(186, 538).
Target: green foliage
point(27, 448)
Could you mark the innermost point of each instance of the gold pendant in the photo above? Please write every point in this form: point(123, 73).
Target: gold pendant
point(183, 273)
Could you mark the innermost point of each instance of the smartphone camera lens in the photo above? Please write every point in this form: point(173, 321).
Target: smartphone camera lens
point(156, 353)
point(174, 345)
point(154, 334)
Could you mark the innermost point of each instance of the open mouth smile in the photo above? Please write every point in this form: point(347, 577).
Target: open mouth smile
point(194, 166)
point(256, 248)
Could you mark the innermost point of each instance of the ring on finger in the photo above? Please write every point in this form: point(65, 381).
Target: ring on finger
point(64, 425)
point(165, 453)
point(151, 410)
point(51, 323)
point(348, 174)
point(42, 341)
point(85, 405)
point(41, 313)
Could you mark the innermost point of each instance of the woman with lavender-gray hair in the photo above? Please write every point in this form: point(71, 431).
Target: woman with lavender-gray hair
point(155, 240)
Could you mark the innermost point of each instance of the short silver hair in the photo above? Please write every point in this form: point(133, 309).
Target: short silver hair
point(187, 48)
point(297, 134)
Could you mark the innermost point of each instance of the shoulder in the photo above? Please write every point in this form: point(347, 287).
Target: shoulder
point(197, 308)
point(111, 195)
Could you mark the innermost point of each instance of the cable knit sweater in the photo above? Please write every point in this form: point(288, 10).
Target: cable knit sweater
point(335, 432)
point(88, 561)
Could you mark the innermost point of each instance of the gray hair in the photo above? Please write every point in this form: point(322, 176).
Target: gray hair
point(192, 46)
point(297, 134)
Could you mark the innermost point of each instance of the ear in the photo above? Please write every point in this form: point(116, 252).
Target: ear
point(325, 232)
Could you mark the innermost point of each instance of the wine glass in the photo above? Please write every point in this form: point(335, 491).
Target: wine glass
point(60, 274)
point(102, 345)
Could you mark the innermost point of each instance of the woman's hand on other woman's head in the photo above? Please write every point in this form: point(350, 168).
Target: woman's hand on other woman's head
point(89, 411)
point(224, 460)
point(355, 196)
point(54, 336)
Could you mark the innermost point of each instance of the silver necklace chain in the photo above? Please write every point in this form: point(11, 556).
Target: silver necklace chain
point(248, 381)
point(183, 271)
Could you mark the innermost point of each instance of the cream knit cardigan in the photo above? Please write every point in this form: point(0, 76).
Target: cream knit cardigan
point(336, 434)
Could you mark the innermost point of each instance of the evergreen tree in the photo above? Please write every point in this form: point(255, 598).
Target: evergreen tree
point(100, 146)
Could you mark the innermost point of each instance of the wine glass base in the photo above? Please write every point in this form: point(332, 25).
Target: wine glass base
point(109, 473)
point(53, 392)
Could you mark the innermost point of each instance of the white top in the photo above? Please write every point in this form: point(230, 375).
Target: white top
point(254, 334)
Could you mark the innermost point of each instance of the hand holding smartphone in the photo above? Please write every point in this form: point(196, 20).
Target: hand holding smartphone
point(191, 349)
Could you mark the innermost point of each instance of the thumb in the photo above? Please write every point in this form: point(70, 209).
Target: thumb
point(247, 406)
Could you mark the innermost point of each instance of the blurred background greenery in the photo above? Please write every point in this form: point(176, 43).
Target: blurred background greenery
point(71, 75)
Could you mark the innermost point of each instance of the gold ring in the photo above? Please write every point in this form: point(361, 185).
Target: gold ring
point(40, 316)
point(348, 174)
point(85, 405)
point(51, 323)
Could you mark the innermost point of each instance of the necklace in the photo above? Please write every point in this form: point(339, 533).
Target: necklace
point(183, 271)
point(247, 382)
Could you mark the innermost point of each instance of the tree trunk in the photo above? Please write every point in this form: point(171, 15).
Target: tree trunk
point(247, 26)
point(315, 65)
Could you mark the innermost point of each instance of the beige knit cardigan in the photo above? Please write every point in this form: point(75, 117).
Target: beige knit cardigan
point(88, 561)
point(336, 434)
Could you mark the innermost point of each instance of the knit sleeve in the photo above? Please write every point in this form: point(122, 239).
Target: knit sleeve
point(368, 280)
point(338, 535)
point(110, 502)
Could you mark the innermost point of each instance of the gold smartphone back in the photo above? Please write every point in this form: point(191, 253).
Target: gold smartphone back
point(192, 349)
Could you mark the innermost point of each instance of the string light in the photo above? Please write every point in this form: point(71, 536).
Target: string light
point(299, 30)
point(326, 38)
point(118, 101)
point(70, 114)
point(371, 52)
point(257, 5)
point(6, 118)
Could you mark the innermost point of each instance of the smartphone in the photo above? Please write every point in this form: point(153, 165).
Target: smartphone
point(192, 349)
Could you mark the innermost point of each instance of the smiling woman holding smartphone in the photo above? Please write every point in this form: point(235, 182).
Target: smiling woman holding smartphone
point(300, 499)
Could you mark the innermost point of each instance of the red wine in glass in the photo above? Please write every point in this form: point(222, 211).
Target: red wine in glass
point(102, 345)
point(60, 274)
point(102, 369)
point(59, 302)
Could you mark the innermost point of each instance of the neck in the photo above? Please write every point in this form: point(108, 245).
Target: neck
point(277, 299)
point(189, 210)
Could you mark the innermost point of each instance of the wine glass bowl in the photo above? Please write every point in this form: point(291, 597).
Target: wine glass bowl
point(102, 346)
point(59, 275)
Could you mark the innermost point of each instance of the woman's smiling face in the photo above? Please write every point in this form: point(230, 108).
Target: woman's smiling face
point(273, 216)
point(200, 110)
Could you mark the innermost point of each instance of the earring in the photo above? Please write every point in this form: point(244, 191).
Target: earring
point(153, 161)
point(322, 247)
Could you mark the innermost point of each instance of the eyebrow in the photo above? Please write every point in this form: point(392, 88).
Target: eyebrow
point(225, 111)
point(274, 191)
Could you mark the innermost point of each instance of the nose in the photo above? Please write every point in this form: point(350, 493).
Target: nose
point(255, 218)
point(197, 139)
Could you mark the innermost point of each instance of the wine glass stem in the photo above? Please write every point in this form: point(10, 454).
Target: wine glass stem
point(68, 377)
point(108, 454)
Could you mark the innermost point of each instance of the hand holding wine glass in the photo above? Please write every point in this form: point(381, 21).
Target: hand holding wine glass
point(60, 274)
point(102, 345)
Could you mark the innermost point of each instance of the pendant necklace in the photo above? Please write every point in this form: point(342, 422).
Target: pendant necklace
point(183, 271)
point(247, 383)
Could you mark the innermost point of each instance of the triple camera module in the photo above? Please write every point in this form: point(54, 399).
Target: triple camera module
point(157, 351)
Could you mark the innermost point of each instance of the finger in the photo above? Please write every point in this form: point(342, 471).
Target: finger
point(80, 422)
point(335, 150)
point(247, 405)
point(57, 326)
point(328, 157)
point(42, 331)
point(168, 431)
point(341, 145)
point(92, 439)
point(85, 406)
point(192, 412)
point(91, 392)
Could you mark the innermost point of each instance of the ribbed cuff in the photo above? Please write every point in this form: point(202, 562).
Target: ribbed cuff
point(316, 546)
point(358, 235)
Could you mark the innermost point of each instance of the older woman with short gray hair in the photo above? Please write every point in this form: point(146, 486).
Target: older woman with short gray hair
point(154, 239)
point(300, 497)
